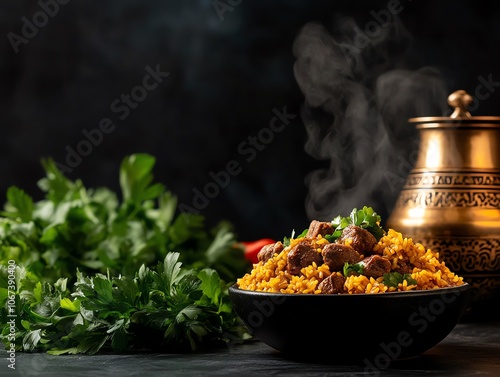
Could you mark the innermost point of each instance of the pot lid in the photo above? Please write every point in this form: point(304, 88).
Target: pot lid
point(459, 101)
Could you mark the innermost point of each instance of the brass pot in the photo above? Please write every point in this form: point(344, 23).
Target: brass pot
point(451, 199)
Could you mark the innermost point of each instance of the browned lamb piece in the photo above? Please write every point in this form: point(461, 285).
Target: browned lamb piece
point(362, 240)
point(375, 266)
point(332, 284)
point(404, 267)
point(268, 251)
point(336, 255)
point(302, 255)
point(317, 227)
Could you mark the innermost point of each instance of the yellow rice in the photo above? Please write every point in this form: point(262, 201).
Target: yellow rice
point(428, 271)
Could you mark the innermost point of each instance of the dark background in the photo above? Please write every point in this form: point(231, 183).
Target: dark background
point(226, 76)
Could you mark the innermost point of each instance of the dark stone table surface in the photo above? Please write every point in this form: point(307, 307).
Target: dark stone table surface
point(471, 349)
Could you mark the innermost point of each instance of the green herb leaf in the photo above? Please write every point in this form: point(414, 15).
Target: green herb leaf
point(210, 284)
point(286, 240)
point(73, 306)
point(19, 204)
point(352, 269)
point(331, 237)
point(55, 184)
point(393, 279)
point(136, 176)
point(172, 270)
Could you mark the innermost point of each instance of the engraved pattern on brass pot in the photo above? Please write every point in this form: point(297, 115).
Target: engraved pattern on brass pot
point(483, 180)
point(467, 255)
point(447, 198)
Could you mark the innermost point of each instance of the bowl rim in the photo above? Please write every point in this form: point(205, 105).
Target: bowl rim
point(427, 292)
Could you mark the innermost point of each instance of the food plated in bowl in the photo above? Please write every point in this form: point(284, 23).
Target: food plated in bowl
point(348, 285)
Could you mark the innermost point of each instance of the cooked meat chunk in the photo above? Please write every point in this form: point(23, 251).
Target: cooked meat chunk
point(404, 267)
point(317, 227)
point(302, 255)
point(375, 266)
point(335, 255)
point(361, 240)
point(332, 284)
point(268, 251)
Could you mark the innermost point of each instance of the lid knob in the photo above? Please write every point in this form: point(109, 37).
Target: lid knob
point(460, 100)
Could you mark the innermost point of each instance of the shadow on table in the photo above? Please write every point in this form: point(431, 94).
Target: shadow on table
point(457, 359)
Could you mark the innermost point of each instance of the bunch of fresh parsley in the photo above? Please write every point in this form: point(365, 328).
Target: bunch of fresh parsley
point(87, 276)
point(166, 308)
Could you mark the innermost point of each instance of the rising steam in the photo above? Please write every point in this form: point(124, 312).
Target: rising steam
point(357, 104)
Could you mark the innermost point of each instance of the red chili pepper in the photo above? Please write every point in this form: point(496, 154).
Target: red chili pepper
point(252, 248)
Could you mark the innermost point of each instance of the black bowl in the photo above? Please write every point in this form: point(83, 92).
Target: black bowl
point(375, 328)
